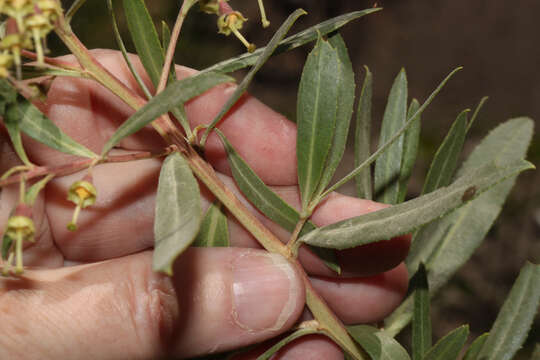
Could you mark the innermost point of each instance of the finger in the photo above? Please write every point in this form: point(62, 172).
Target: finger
point(90, 114)
point(218, 300)
point(364, 300)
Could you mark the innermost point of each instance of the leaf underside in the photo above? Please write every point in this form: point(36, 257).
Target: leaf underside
point(178, 212)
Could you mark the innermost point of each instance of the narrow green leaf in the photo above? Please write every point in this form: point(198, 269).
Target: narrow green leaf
point(449, 347)
point(177, 93)
point(345, 102)
point(264, 56)
point(36, 125)
point(214, 231)
point(11, 122)
point(476, 346)
point(145, 37)
point(316, 116)
point(362, 138)
point(33, 191)
point(477, 111)
point(421, 326)
point(293, 336)
point(408, 216)
point(123, 50)
point(388, 165)
point(411, 141)
point(178, 212)
point(515, 317)
point(75, 6)
point(446, 158)
point(448, 243)
point(292, 42)
point(382, 148)
point(377, 344)
point(268, 202)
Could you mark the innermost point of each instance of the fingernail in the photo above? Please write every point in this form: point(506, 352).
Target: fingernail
point(265, 291)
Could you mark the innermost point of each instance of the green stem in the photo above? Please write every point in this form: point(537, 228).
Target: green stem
point(186, 5)
point(73, 9)
point(19, 255)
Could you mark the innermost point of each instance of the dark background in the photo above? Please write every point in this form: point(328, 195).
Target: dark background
point(497, 42)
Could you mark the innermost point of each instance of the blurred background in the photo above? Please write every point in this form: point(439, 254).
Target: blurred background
point(497, 42)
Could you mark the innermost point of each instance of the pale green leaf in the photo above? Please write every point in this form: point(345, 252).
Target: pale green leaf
point(476, 112)
point(382, 148)
point(292, 42)
point(316, 116)
point(408, 216)
point(448, 243)
point(178, 212)
point(362, 138)
point(36, 125)
point(291, 337)
point(421, 325)
point(177, 93)
point(345, 102)
point(145, 38)
point(411, 141)
point(515, 317)
point(214, 231)
point(377, 344)
point(33, 191)
point(268, 202)
point(476, 346)
point(264, 56)
point(446, 158)
point(388, 165)
point(449, 347)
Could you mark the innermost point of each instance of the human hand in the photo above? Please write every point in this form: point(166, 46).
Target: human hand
point(110, 304)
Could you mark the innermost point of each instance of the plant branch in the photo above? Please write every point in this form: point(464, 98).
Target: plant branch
point(186, 5)
point(206, 174)
point(76, 166)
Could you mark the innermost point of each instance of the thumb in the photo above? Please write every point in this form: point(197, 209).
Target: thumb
point(219, 299)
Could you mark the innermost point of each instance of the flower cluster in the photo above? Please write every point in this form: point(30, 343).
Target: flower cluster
point(31, 21)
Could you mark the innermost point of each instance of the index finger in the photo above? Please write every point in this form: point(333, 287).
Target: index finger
point(89, 113)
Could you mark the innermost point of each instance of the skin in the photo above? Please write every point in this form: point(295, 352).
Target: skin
point(92, 294)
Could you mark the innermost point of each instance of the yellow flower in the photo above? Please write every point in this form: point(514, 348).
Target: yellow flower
point(83, 194)
point(232, 22)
